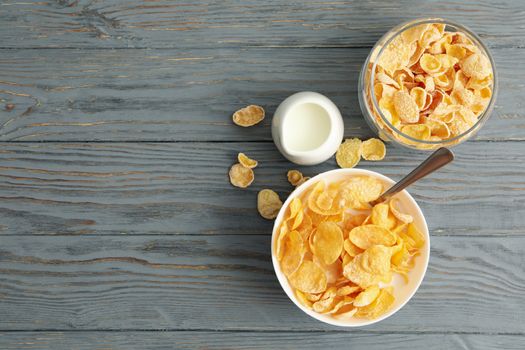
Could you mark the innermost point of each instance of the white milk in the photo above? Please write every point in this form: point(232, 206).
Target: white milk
point(306, 127)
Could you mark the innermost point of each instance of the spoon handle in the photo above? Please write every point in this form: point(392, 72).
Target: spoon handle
point(435, 161)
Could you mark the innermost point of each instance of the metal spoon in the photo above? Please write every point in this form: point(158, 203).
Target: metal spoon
point(436, 160)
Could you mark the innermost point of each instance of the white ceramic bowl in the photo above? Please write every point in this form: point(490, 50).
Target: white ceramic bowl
point(402, 291)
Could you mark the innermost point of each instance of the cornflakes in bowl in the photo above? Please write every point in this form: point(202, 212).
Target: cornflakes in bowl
point(343, 261)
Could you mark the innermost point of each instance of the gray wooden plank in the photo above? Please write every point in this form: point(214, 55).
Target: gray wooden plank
point(254, 340)
point(226, 282)
point(189, 95)
point(162, 23)
point(183, 188)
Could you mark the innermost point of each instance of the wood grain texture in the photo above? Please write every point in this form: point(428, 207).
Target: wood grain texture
point(127, 245)
point(190, 95)
point(254, 340)
point(226, 282)
point(183, 188)
point(168, 24)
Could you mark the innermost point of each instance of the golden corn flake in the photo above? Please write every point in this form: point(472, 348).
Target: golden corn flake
point(366, 236)
point(456, 51)
point(279, 249)
point(355, 273)
point(296, 206)
point(383, 216)
point(345, 258)
point(352, 221)
point(293, 246)
point(303, 299)
point(351, 249)
point(367, 296)
point(360, 190)
point(347, 290)
point(241, 176)
point(295, 177)
point(323, 306)
point(329, 293)
point(373, 149)
point(349, 153)
point(333, 210)
point(327, 242)
point(430, 64)
point(379, 306)
point(313, 297)
point(405, 218)
point(308, 278)
point(347, 309)
point(445, 72)
point(476, 66)
point(298, 220)
point(438, 128)
point(376, 259)
point(387, 80)
point(419, 95)
point(245, 161)
point(339, 261)
point(416, 235)
point(405, 106)
point(340, 304)
point(325, 200)
point(305, 228)
point(417, 131)
point(402, 256)
point(248, 116)
point(268, 204)
point(395, 56)
point(415, 33)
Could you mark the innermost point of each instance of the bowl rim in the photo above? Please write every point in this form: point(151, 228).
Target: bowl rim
point(394, 33)
point(283, 281)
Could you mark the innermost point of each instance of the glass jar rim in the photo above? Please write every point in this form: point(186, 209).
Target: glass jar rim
point(410, 24)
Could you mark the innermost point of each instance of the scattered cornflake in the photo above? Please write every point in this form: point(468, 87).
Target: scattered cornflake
point(248, 116)
point(268, 204)
point(296, 178)
point(349, 153)
point(241, 176)
point(373, 149)
point(245, 161)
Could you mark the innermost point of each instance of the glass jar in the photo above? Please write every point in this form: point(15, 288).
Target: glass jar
point(385, 123)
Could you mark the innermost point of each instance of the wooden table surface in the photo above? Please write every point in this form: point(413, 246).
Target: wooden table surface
point(119, 228)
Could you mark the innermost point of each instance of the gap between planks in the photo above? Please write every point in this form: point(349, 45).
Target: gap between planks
point(261, 331)
point(499, 235)
point(204, 141)
point(229, 47)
